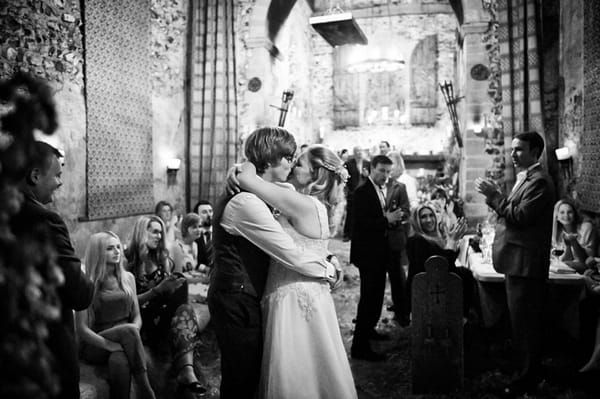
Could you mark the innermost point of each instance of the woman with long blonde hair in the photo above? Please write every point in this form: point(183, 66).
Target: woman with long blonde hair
point(163, 295)
point(573, 238)
point(110, 328)
point(303, 355)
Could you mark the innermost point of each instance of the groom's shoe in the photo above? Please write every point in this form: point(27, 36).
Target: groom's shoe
point(366, 353)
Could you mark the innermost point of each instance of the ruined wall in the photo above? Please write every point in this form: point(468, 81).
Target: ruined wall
point(45, 38)
point(571, 77)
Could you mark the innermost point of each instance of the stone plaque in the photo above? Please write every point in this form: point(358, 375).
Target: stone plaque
point(254, 84)
point(437, 357)
point(480, 72)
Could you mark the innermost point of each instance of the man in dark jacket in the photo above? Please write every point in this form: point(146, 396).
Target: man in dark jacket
point(370, 252)
point(521, 251)
point(358, 169)
point(42, 180)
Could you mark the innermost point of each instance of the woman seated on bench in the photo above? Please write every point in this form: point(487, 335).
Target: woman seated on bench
point(573, 239)
point(167, 317)
point(427, 241)
point(110, 329)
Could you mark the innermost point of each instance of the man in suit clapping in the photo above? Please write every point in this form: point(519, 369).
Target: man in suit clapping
point(521, 251)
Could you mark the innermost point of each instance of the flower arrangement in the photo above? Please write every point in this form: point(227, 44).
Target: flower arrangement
point(28, 275)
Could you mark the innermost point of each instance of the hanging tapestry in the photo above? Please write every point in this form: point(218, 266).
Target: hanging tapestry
point(119, 113)
point(213, 140)
point(519, 62)
point(588, 186)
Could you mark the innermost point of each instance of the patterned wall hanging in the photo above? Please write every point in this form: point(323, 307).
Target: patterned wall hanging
point(588, 186)
point(519, 62)
point(119, 113)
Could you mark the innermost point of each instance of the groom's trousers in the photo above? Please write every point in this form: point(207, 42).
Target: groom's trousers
point(238, 326)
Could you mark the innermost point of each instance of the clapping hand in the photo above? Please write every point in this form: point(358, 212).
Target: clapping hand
point(486, 187)
point(458, 230)
point(569, 238)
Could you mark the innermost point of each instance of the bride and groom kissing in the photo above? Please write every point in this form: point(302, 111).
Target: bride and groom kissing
point(270, 293)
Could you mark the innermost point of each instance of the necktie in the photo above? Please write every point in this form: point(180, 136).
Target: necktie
point(381, 197)
point(206, 237)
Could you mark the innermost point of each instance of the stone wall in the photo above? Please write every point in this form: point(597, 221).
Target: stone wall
point(45, 37)
point(291, 68)
point(571, 77)
point(410, 139)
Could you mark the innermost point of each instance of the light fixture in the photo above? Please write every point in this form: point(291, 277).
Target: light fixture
point(382, 55)
point(565, 162)
point(173, 166)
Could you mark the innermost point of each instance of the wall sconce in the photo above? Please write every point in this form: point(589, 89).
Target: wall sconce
point(173, 166)
point(565, 162)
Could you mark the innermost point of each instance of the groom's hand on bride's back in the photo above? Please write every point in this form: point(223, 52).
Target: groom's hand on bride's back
point(232, 184)
point(336, 280)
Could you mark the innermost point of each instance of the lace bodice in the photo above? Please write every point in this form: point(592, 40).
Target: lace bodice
point(281, 280)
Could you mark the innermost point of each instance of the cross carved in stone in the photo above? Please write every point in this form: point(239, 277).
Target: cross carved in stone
point(437, 291)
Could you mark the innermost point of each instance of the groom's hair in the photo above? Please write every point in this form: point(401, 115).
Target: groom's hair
point(267, 145)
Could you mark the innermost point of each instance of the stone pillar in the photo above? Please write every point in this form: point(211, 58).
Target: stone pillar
point(475, 105)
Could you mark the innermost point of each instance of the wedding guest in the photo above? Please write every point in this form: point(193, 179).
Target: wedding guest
point(205, 246)
point(521, 251)
point(358, 168)
point(384, 147)
point(164, 210)
point(573, 235)
point(42, 179)
point(163, 298)
point(428, 241)
point(185, 249)
point(402, 176)
point(109, 329)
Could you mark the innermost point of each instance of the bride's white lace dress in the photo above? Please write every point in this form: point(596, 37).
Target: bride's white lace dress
point(303, 356)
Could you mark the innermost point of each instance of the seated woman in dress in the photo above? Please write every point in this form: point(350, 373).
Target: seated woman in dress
point(110, 329)
point(428, 241)
point(185, 250)
point(163, 298)
point(572, 235)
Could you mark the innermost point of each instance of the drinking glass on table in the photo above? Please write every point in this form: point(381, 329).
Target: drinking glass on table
point(556, 252)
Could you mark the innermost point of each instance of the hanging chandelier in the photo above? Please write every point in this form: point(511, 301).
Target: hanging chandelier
point(380, 55)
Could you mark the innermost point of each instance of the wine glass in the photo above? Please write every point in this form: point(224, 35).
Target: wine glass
point(557, 251)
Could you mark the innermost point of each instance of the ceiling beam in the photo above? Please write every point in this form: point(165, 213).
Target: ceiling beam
point(378, 11)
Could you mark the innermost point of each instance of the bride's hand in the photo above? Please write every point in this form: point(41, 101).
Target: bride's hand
point(248, 172)
point(232, 185)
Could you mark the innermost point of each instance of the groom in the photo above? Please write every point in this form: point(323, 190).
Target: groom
point(245, 237)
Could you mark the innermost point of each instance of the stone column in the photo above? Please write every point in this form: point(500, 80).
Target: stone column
point(475, 105)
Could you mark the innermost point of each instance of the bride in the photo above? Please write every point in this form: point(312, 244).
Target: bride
point(303, 355)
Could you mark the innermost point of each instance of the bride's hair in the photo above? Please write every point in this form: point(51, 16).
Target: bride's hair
point(328, 176)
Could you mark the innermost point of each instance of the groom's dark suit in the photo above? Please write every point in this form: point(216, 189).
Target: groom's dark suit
point(521, 251)
point(369, 251)
point(238, 281)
